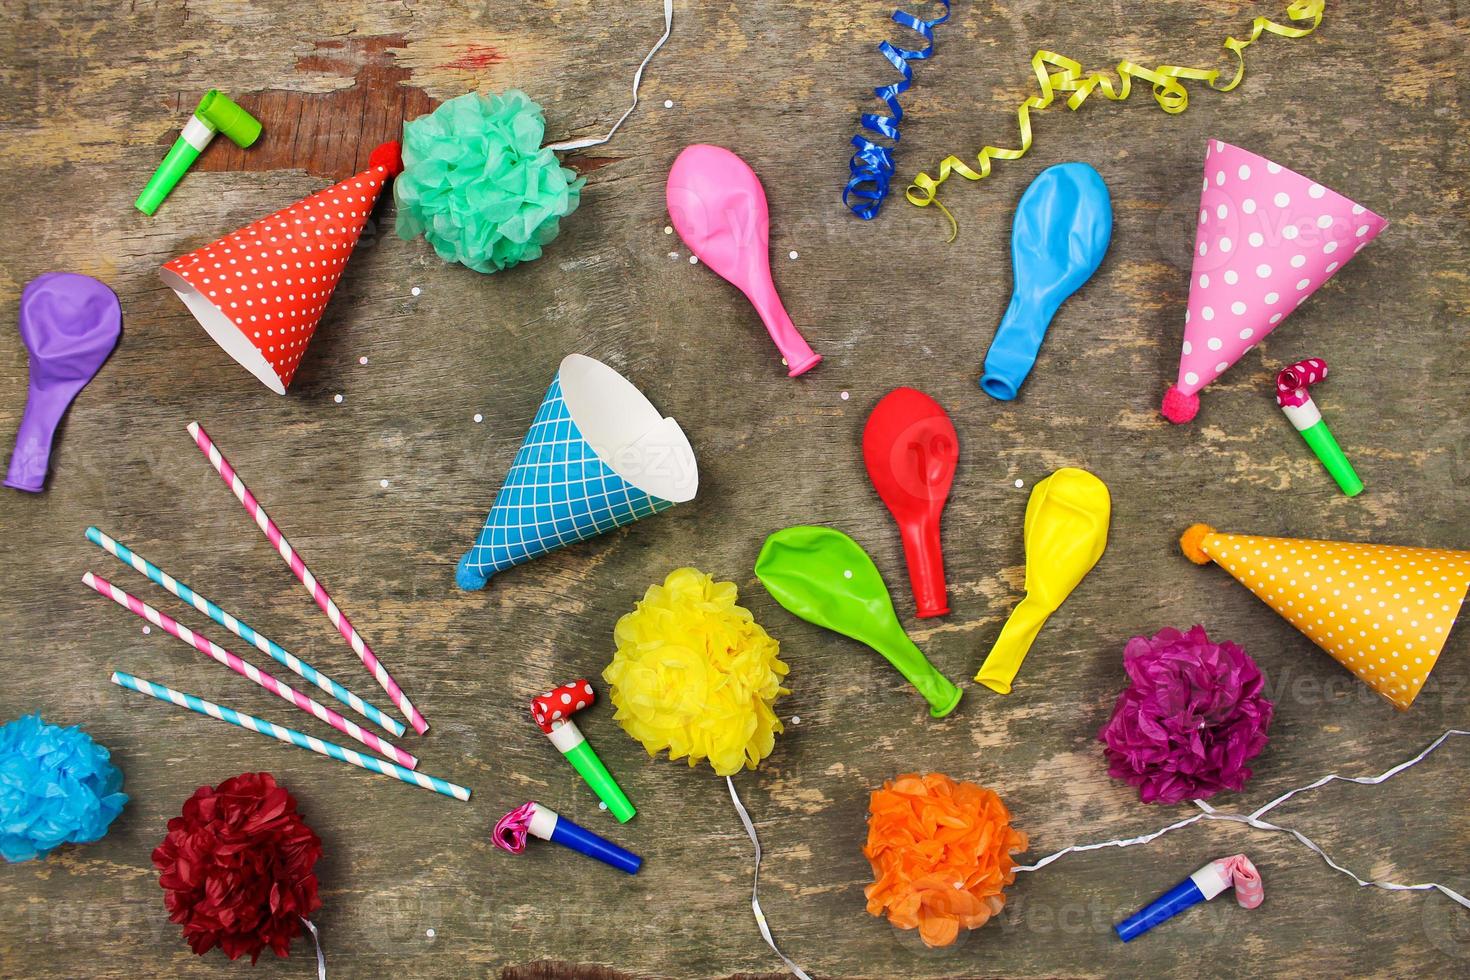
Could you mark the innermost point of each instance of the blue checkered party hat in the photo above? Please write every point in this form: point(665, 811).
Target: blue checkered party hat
point(570, 482)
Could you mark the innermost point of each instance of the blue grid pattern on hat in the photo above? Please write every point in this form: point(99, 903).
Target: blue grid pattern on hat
point(557, 492)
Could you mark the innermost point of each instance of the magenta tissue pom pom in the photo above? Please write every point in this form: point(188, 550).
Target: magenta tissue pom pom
point(1191, 719)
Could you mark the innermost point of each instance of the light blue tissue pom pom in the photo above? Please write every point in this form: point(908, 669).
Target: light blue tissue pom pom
point(56, 787)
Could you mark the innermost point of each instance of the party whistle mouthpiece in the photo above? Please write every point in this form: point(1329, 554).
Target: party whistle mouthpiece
point(215, 114)
point(538, 821)
point(1203, 885)
point(552, 711)
point(1296, 401)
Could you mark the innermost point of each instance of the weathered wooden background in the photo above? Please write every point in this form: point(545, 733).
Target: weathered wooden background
point(1373, 105)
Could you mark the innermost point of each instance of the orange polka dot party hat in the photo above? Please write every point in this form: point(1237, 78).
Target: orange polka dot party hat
point(260, 291)
point(1382, 611)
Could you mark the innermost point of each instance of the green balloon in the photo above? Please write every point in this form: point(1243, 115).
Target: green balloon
point(826, 578)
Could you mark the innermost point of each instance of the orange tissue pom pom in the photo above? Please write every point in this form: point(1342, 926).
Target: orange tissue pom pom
point(941, 855)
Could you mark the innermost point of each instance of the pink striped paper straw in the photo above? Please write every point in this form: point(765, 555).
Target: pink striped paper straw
point(303, 575)
point(244, 669)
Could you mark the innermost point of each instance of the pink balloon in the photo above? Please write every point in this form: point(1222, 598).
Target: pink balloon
point(1268, 237)
point(718, 206)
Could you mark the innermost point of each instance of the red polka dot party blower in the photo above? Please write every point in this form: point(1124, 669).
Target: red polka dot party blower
point(1267, 238)
point(1296, 401)
point(260, 291)
point(553, 711)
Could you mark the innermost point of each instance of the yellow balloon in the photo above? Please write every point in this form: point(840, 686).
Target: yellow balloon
point(1065, 532)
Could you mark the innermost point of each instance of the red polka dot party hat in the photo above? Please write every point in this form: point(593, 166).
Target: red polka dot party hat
point(1382, 611)
point(260, 291)
point(1267, 239)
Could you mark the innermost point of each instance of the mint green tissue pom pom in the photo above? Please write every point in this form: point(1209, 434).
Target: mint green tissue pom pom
point(477, 184)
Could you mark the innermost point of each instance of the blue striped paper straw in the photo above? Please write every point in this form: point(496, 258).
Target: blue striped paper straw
point(265, 645)
point(262, 727)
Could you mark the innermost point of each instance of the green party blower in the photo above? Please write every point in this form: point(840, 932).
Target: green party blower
point(553, 713)
point(215, 114)
point(1292, 395)
point(826, 578)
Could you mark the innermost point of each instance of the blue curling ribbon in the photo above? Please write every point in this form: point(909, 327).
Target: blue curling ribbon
point(872, 164)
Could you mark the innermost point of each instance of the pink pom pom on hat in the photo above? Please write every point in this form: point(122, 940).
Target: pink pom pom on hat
point(1267, 238)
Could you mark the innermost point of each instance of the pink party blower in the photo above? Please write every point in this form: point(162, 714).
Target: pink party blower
point(718, 206)
point(1268, 237)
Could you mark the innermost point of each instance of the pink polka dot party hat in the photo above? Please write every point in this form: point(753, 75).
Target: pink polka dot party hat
point(1268, 237)
point(260, 291)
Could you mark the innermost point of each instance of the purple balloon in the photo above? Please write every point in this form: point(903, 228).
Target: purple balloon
point(70, 323)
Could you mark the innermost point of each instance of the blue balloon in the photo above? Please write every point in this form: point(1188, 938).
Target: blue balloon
point(1060, 234)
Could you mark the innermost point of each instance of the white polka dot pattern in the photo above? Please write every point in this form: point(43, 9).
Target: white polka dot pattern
point(273, 278)
point(1382, 611)
point(1267, 238)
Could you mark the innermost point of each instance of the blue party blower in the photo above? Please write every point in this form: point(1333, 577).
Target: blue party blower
point(1203, 885)
point(1059, 236)
point(543, 822)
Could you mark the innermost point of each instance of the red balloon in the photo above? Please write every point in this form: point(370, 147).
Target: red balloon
point(910, 448)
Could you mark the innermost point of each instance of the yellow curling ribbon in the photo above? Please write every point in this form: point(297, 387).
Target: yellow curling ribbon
point(1055, 73)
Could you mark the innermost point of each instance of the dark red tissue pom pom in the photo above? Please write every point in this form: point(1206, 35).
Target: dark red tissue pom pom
point(236, 867)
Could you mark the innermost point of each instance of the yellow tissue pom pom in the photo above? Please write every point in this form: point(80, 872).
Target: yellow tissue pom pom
point(696, 674)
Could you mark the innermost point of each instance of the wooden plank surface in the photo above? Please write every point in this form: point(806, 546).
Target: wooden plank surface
point(1372, 105)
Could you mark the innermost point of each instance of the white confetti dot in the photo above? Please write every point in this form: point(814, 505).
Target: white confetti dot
point(793, 253)
point(668, 103)
point(845, 396)
point(796, 719)
point(847, 573)
point(147, 630)
point(668, 229)
point(337, 399)
point(415, 291)
point(383, 484)
point(602, 806)
point(1020, 484)
point(430, 933)
point(362, 360)
point(673, 255)
point(479, 417)
point(694, 260)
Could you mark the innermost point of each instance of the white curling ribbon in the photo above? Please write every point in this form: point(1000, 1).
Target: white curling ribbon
point(1254, 820)
point(321, 958)
point(755, 888)
point(582, 144)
